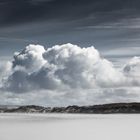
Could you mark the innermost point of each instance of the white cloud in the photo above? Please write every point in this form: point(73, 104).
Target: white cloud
point(133, 67)
point(5, 71)
point(30, 58)
point(132, 71)
point(67, 74)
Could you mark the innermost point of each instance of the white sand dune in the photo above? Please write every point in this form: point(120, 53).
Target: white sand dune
point(69, 127)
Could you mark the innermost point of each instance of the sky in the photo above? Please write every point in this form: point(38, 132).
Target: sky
point(106, 24)
point(50, 49)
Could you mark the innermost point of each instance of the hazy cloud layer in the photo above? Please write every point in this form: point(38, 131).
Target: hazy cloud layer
point(67, 74)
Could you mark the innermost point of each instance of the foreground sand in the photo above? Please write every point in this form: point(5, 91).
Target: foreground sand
point(69, 127)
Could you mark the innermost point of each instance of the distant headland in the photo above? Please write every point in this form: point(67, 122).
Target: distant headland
point(93, 109)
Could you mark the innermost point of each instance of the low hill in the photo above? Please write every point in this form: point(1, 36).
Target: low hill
point(95, 109)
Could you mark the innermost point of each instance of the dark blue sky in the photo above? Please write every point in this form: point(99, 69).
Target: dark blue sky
point(106, 24)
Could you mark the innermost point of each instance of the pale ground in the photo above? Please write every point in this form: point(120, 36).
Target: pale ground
point(69, 127)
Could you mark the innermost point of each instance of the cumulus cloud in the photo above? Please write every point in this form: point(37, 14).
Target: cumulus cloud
point(5, 71)
point(133, 67)
point(30, 59)
point(67, 74)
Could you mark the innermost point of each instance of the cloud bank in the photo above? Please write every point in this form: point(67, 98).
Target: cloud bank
point(66, 74)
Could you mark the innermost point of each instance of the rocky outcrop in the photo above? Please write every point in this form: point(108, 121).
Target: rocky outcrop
point(96, 109)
